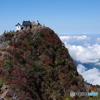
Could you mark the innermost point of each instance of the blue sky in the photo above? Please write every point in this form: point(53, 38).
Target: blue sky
point(63, 16)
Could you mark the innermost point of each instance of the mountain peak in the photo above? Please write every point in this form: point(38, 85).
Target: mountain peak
point(35, 65)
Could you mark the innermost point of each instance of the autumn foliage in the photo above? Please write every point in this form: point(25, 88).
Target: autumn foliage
point(38, 67)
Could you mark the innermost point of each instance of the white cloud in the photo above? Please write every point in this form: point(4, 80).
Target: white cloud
point(92, 75)
point(98, 63)
point(74, 38)
point(81, 68)
point(98, 40)
point(84, 54)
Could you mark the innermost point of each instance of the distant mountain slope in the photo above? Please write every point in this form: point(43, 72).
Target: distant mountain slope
point(88, 65)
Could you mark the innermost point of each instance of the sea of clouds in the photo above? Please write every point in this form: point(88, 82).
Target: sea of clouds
point(85, 49)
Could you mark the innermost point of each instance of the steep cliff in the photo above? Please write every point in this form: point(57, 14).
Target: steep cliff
point(35, 65)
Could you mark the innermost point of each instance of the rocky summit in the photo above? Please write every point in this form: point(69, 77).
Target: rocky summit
point(35, 65)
